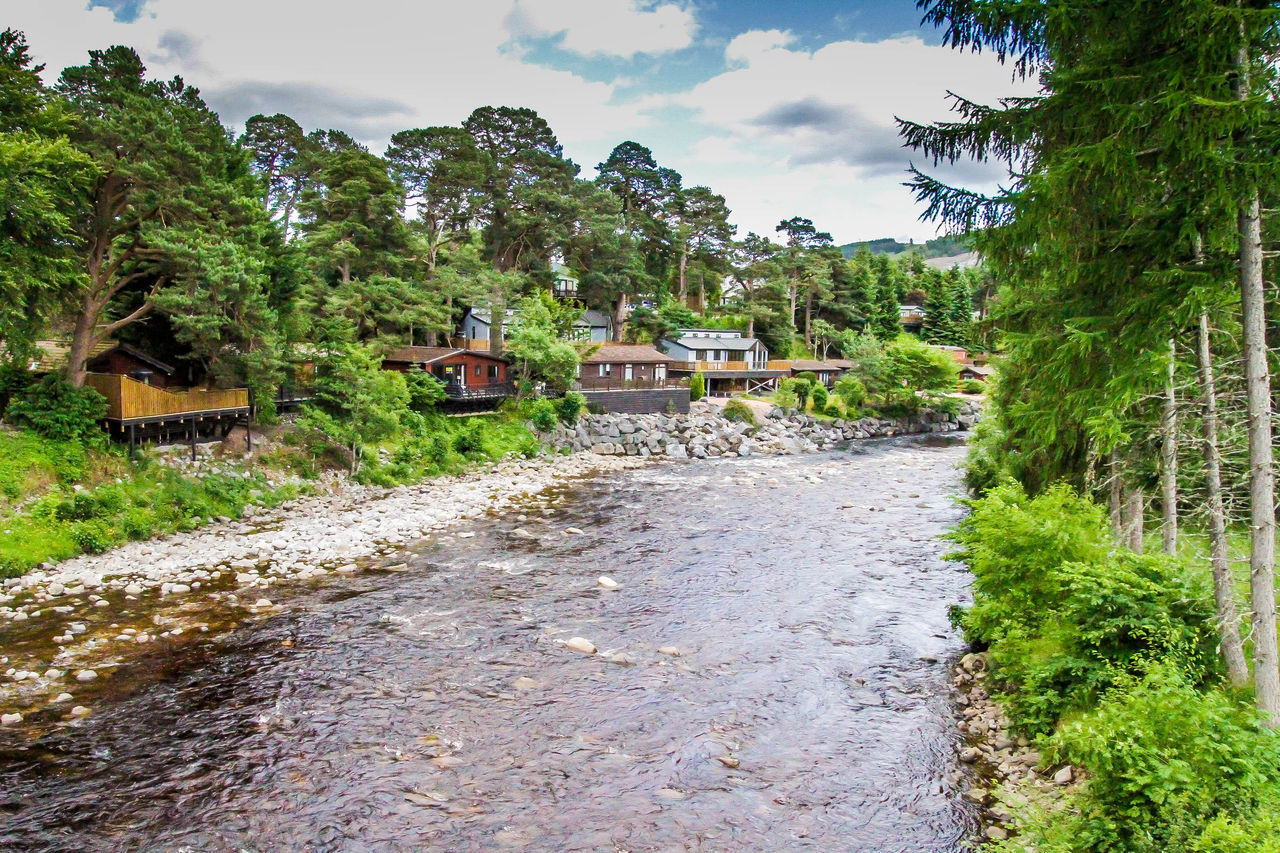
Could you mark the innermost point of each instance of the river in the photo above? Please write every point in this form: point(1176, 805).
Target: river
point(801, 699)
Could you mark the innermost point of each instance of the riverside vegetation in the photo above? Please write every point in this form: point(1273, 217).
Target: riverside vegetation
point(1132, 314)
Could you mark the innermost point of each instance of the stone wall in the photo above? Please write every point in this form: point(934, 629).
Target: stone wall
point(704, 432)
point(637, 401)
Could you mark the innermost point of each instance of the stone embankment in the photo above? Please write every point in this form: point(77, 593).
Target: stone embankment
point(706, 433)
point(1007, 769)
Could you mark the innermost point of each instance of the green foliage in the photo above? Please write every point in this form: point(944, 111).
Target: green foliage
point(785, 397)
point(570, 407)
point(819, 395)
point(152, 501)
point(915, 371)
point(973, 386)
point(807, 376)
point(850, 390)
point(1064, 614)
point(536, 346)
point(543, 414)
point(737, 410)
point(356, 401)
point(832, 410)
point(426, 392)
point(1171, 768)
point(697, 387)
point(59, 411)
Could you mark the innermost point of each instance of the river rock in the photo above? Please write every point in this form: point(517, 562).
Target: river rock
point(580, 644)
point(669, 650)
point(1065, 776)
point(524, 682)
point(606, 582)
point(60, 698)
point(10, 719)
point(86, 675)
point(133, 589)
point(80, 711)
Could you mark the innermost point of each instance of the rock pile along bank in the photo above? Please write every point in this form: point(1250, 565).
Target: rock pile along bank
point(704, 432)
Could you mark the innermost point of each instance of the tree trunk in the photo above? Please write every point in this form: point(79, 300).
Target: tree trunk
point(1262, 492)
point(81, 341)
point(619, 318)
point(1134, 507)
point(1223, 595)
point(684, 287)
point(795, 290)
point(1116, 496)
point(808, 320)
point(496, 320)
point(1169, 460)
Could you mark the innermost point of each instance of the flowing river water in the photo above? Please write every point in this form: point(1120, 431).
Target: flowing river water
point(801, 700)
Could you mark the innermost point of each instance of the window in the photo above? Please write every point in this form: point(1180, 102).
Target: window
point(493, 371)
point(601, 369)
point(628, 375)
point(479, 371)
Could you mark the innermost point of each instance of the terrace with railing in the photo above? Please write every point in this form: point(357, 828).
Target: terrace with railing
point(131, 401)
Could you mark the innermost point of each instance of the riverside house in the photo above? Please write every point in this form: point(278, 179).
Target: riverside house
point(468, 375)
point(632, 378)
point(477, 324)
point(730, 362)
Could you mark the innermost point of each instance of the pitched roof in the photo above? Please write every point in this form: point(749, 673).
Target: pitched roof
point(626, 354)
point(595, 319)
point(980, 369)
point(429, 355)
point(741, 344)
point(136, 353)
point(52, 355)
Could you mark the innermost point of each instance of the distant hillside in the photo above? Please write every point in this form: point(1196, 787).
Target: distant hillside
point(939, 247)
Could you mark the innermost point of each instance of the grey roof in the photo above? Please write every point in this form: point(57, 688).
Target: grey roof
point(737, 344)
point(595, 319)
point(485, 315)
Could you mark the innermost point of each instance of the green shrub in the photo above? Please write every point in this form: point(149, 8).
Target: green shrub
point(426, 392)
point(832, 410)
point(819, 396)
point(469, 441)
point(1015, 545)
point(697, 387)
point(737, 410)
point(543, 414)
point(1170, 768)
point(785, 396)
point(807, 376)
point(973, 386)
point(570, 407)
point(58, 410)
point(850, 390)
point(94, 536)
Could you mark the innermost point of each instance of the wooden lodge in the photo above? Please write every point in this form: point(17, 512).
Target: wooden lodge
point(468, 375)
point(729, 362)
point(826, 371)
point(631, 378)
point(612, 367)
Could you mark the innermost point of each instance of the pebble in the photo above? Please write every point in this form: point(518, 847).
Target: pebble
point(1065, 776)
point(524, 682)
point(573, 531)
point(133, 589)
point(607, 582)
point(80, 711)
point(727, 760)
point(86, 675)
point(580, 644)
point(262, 602)
point(61, 697)
point(10, 719)
point(669, 650)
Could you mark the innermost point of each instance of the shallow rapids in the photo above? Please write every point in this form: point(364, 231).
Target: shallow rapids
point(800, 700)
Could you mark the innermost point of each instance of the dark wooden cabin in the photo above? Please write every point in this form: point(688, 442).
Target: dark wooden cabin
point(465, 373)
point(623, 366)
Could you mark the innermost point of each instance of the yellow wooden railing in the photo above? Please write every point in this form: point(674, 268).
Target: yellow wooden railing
point(128, 398)
point(711, 366)
point(779, 364)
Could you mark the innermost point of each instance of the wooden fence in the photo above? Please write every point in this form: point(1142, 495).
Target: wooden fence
point(128, 399)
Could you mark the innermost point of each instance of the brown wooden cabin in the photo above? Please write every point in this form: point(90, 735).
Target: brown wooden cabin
point(124, 360)
point(466, 374)
point(618, 366)
point(826, 371)
point(981, 372)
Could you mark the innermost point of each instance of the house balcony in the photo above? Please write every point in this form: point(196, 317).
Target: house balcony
point(132, 402)
point(719, 366)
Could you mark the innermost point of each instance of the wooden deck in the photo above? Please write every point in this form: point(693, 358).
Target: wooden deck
point(132, 402)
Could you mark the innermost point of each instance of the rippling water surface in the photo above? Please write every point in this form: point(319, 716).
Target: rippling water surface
point(438, 709)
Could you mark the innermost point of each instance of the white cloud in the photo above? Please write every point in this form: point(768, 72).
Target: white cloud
point(424, 65)
point(819, 128)
point(618, 28)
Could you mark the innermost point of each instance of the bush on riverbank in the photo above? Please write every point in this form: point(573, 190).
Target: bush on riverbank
point(1115, 654)
point(150, 501)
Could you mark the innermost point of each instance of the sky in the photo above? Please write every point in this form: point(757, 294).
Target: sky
point(784, 107)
